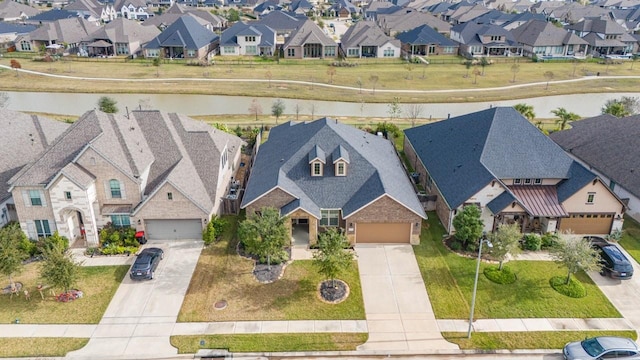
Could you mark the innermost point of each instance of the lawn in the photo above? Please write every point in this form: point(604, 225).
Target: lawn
point(271, 342)
point(526, 340)
point(223, 275)
point(39, 347)
point(449, 280)
point(98, 284)
point(630, 240)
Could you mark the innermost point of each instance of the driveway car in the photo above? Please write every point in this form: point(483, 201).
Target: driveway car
point(602, 347)
point(146, 264)
point(614, 263)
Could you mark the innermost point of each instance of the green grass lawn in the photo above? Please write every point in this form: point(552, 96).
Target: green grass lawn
point(271, 342)
point(39, 347)
point(526, 339)
point(221, 274)
point(630, 240)
point(449, 280)
point(98, 284)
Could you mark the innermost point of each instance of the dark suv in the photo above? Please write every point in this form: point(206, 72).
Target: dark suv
point(146, 264)
point(614, 263)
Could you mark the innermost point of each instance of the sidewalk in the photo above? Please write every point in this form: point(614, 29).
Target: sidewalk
point(112, 260)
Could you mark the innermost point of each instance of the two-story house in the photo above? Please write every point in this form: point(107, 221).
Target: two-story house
point(133, 9)
point(605, 36)
point(248, 39)
point(485, 40)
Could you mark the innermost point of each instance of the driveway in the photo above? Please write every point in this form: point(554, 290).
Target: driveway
point(141, 316)
point(396, 304)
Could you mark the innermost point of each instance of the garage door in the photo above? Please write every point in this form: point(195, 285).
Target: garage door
point(587, 223)
point(173, 229)
point(383, 232)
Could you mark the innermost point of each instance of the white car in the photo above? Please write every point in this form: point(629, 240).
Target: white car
point(602, 347)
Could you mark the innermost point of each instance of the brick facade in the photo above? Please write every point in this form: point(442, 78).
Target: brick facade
point(276, 198)
point(385, 210)
point(160, 207)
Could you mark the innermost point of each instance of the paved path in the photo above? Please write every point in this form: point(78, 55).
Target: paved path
point(399, 314)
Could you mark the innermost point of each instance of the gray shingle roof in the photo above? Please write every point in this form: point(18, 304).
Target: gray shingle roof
point(471, 32)
point(366, 33)
point(230, 35)
point(544, 33)
point(308, 33)
point(608, 144)
point(463, 154)
point(185, 32)
point(500, 202)
point(7, 28)
point(374, 169)
point(71, 30)
point(404, 20)
point(424, 35)
point(123, 30)
point(12, 9)
point(52, 15)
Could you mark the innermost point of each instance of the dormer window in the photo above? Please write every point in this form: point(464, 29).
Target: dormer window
point(341, 168)
point(340, 158)
point(317, 160)
point(316, 168)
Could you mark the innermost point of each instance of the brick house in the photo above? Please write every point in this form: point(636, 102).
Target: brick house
point(326, 174)
point(164, 174)
point(309, 41)
point(499, 161)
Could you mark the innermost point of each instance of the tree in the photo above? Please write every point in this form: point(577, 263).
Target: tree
point(634, 57)
point(575, 254)
point(483, 62)
point(312, 109)
point(575, 64)
point(409, 68)
point(468, 65)
point(297, 108)
point(11, 253)
point(15, 64)
point(107, 105)
point(549, 76)
point(476, 72)
point(359, 82)
point(525, 110)
point(269, 76)
point(468, 225)
point(332, 256)
point(625, 106)
point(233, 15)
point(388, 129)
point(564, 117)
point(505, 241)
point(59, 269)
point(264, 235)
point(374, 79)
point(277, 108)
point(413, 111)
point(394, 109)
point(515, 68)
point(156, 63)
point(255, 108)
point(331, 71)
point(209, 233)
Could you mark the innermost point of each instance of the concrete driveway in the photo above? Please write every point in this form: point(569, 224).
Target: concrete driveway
point(141, 316)
point(397, 307)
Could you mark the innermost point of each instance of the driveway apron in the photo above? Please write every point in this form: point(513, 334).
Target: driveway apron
point(141, 316)
point(399, 314)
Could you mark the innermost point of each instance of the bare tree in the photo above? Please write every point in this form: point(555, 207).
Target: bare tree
point(277, 109)
point(297, 109)
point(374, 79)
point(255, 108)
point(409, 68)
point(331, 71)
point(476, 72)
point(549, 76)
point(359, 82)
point(269, 76)
point(413, 111)
point(312, 109)
point(515, 68)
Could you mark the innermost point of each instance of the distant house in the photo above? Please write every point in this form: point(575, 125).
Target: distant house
point(65, 32)
point(119, 37)
point(366, 39)
point(485, 40)
point(133, 9)
point(324, 174)
point(50, 16)
point(426, 41)
point(497, 160)
point(248, 39)
point(15, 11)
point(605, 36)
point(465, 14)
point(409, 19)
point(301, 7)
point(92, 9)
point(184, 39)
point(610, 147)
point(284, 24)
point(174, 12)
point(573, 12)
point(342, 9)
point(309, 41)
point(164, 174)
point(266, 7)
point(23, 140)
point(10, 31)
point(542, 38)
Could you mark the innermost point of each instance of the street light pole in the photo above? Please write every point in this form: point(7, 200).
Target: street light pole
point(475, 286)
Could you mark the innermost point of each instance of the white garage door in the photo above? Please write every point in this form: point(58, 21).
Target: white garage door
point(173, 229)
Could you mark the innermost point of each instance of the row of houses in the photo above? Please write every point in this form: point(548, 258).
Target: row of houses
point(167, 174)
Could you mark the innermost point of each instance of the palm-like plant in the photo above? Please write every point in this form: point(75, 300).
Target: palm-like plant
point(525, 110)
point(564, 117)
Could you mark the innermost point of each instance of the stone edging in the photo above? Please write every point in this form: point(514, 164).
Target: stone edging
point(346, 295)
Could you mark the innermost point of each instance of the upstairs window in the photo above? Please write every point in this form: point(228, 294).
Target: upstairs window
point(517, 181)
point(330, 217)
point(527, 181)
point(316, 168)
point(67, 195)
point(537, 181)
point(34, 196)
point(341, 169)
point(114, 186)
point(169, 196)
point(590, 198)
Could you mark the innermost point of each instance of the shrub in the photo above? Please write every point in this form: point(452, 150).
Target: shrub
point(29, 247)
point(118, 239)
point(548, 241)
point(112, 249)
point(209, 233)
point(574, 289)
point(45, 244)
point(219, 224)
point(504, 276)
point(456, 245)
point(532, 242)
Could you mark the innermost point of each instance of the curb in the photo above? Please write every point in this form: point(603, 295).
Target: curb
point(225, 354)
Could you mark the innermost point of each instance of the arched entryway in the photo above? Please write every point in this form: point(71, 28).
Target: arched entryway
point(73, 227)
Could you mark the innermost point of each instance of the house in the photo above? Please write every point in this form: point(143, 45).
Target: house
point(426, 41)
point(609, 147)
point(92, 9)
point(309, 41)
point(485, 40)
point(284, 24)
point(326, 174)
point(184, 39)
point(301, 7)
point(342, 9)
point(10, 31)
point(205, 18)
point(366, 39)
point(15, 11)
point(119, 37)
point(248, 39)
point(23, 139)
point(50, 16)
point(379, 7)
point(543, 39)
point(133, 9)
point(464, 14)
point(508, 21)
point(574, 12)
point(497, 160)
point(64, 32)
point(409, 19)
point(266, 7)
point(605, 36)
point(161, 173)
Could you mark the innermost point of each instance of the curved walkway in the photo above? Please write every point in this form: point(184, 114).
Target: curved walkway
point(351, 88)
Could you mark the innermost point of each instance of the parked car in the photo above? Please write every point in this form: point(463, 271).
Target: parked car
point(602, 347)
point(614, 263)
point(146, 264)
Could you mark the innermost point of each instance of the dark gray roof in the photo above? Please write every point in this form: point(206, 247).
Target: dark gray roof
point(502, 201)
point(53, 15)
point(471, 33)
point(374, 169)
point(465, 153)
point(544, 33)
point(608, 144)
point(123, 30)
point(340, 153)
point(6, 28)
point(308, 33)
point(186, 32)
point(281, 21)
point(229, 36)
point(13, 9)
point(424, 35)
point(366, 33)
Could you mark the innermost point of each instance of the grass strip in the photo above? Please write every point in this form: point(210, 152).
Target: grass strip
point(630, 240)
point(39, 347)
point(271, 342)
point(526, 339)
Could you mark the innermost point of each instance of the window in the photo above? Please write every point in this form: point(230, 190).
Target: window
point(495, 37)
point(590, 198)
point(317, 169)
point(251, 50)
point(340, 169)
point(34, 195)
point(612, 185)
point(191, 53)
point(517, 181)
point(537, 181)
point(67, 195)
point(169, 196)
point(250, 38)
point(527, 181)
point(448, 50)
point(229, 50)
point(42, 228)
point(388, 52)
point(153, 53)
point(122, 48)
point(25, 45)
point(120, 220)
point(114, 185)
point(330, 51)
point(329, 217)
point(291, 52)
point(353, 52)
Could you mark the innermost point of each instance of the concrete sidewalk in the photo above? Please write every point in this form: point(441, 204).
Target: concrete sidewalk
point(101, 260)
point(531, 324)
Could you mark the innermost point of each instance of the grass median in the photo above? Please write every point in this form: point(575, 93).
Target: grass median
point(630, 240)
point(39, 347)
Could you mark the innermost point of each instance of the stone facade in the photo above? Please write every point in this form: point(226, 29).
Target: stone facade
point(66, 210)
point(385, 210)
point(313, 224)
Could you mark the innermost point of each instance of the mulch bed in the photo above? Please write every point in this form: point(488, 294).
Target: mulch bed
point(262, 272)
point(333, 291)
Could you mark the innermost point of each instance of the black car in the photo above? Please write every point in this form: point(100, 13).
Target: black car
point(614, 263)
point(146, 264)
